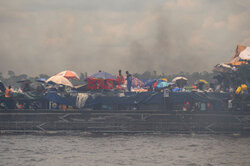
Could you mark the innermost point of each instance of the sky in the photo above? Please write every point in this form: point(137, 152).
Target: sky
point(169, 36)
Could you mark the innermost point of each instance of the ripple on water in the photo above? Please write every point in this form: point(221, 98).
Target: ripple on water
point(139, 150)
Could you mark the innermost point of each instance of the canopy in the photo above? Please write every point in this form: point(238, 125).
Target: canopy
point(242, 53)
point(102, 75)
point(137, 83)
point(238, 50)
point(162, 84)
point(224, 68)
point(41, 80)
point(245, 54)
point(164, 79)
point(150, 82)
point(69, 74)
point(179, 78)
point(59, 80)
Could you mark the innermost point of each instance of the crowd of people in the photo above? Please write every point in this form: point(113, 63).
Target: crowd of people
point(119, 83)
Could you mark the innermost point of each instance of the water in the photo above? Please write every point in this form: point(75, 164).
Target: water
point(138, 150)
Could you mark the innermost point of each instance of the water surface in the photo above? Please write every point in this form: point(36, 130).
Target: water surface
point(138, 150)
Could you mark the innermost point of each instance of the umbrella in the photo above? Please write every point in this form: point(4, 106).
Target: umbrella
point(224, 68)
point(203, 81)
point(43, 80)
point(164, 79)
point(69, 74)
point(150, 82)
point(179, 78)
point(102, 75)
point(162, 84)
point(59, 80)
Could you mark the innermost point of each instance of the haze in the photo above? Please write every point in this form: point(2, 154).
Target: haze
point(170, 36)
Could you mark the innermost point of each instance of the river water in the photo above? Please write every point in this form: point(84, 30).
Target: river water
point(138, 150)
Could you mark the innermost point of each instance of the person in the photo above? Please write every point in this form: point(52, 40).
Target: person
point(242, 89)
point(8, 91)
point(200, 86)
point(211, 88)
point(2, 87)
point(129, 81)
point(120, 80)
point(9, 101)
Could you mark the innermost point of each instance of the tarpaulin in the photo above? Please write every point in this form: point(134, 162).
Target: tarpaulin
point(56, 98)
point(130, 99)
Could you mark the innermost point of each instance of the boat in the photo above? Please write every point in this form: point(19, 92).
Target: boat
point(150, 112)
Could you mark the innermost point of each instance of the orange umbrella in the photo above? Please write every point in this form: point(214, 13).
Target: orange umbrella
point(68, 74)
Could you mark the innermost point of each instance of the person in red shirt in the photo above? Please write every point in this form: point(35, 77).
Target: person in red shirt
point(120, 80)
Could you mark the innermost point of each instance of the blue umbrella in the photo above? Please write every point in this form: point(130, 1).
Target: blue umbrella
point(102, 75)
point(41, 80)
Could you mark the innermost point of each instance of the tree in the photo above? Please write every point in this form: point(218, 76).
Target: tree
point(11, 73)
point(155, 73)
point(82, 76)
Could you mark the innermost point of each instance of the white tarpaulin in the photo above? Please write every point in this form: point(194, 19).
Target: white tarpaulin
point(245, 54)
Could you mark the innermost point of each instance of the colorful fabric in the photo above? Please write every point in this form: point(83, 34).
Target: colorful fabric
point(94, 83)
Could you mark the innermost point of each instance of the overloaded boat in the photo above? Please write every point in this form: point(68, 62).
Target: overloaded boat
point(104, 109)
point(178, 112)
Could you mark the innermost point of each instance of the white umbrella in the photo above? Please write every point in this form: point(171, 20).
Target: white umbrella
point(179, 78)
point(59, 80)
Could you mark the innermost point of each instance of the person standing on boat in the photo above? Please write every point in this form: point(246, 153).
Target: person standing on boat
point(120, 80)
point(129, 81)
point(8, 91)
point(8, 99)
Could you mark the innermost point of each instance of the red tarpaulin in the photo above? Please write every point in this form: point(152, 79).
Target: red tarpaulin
point(95, 83)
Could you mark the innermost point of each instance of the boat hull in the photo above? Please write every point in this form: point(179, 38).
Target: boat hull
point(128, 121)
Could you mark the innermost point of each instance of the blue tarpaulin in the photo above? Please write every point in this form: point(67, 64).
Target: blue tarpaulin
point(218, 100)
point(56, 98)
point(130, 99)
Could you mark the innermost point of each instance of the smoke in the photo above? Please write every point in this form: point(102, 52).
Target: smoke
point(169, 52)
point(168, 37)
